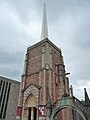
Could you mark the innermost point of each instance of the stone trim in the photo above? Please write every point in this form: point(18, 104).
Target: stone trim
point(43, 42)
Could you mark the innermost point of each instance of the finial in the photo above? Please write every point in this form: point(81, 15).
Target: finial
point(44, 32)
point(86, 95)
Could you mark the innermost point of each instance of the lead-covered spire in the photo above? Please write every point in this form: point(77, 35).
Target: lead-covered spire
point(44, 31)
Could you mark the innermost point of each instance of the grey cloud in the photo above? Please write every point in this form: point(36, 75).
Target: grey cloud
point(24, 9)
point(11, 63)
point(10, 71)
point(10, 58)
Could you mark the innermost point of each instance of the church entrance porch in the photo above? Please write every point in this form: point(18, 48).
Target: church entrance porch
point(30, 109)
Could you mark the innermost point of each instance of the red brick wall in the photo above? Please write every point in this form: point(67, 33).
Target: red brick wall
point(56, 58)
point(32, 79)
point(34, 60)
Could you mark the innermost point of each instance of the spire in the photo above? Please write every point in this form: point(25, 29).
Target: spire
point(86, 95)
point(44, 32)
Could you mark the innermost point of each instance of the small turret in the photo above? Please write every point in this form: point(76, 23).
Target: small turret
point(86, 95)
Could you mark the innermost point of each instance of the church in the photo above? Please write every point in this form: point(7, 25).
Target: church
point(44, 80)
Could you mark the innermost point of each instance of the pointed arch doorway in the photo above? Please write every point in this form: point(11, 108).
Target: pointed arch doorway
point(31, 107)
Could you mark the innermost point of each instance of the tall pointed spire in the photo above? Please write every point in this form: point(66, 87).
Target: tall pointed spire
point(44, 32)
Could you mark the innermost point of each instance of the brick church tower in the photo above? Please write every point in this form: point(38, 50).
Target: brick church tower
point(43, 80)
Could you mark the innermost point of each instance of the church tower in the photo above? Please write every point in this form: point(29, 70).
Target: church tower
point(43, 80)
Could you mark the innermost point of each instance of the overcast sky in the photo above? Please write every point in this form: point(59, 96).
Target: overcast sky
point(69, 29)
